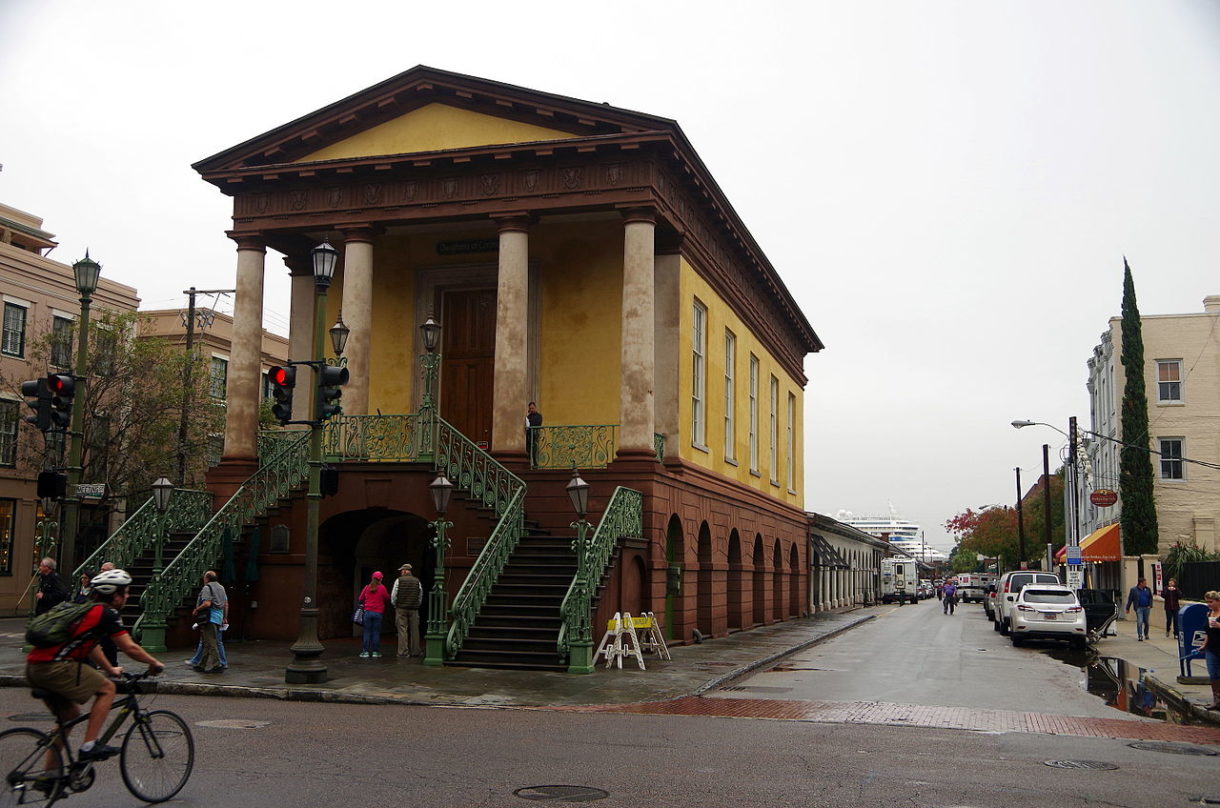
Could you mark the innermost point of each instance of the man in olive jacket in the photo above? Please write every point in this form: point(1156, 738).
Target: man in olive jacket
point(406, 597)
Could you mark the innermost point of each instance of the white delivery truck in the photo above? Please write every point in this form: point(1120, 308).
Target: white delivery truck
point(899, 580)
point(972, 586)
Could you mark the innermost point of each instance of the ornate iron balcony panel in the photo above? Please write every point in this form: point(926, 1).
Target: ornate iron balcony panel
point(584, 446)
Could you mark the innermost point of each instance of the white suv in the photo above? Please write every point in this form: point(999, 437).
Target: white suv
point(1048, 612)
point(1007, 589)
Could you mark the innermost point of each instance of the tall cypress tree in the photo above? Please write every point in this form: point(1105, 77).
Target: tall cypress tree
point(1135, 480)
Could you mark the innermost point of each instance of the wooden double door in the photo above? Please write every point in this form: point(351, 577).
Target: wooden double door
point(468, 360)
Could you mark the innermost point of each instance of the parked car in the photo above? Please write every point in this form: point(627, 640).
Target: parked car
point(926, 590)
point(989, 602)
point(1007, 589)
point(1048, 612)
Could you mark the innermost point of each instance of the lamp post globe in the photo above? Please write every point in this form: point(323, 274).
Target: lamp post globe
point(86, 272)
point(162, 490)
point(338, 335)
point(324, 259)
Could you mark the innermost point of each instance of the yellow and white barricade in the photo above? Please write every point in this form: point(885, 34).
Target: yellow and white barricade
point(620, 640)
point(652, 638)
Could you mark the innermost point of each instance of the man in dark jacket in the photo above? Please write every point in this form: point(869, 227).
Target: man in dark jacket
point(406, 596)
point(51, 590)
point(1140, 597)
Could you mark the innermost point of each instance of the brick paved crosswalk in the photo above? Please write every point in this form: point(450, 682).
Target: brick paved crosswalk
point(920, 716)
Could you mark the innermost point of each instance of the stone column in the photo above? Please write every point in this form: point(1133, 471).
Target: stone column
point(300, 327)
point(512, 320)
point(636, 414)
point(244, 383)
point(357, 309)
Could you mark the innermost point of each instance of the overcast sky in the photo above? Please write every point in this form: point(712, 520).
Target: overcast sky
point(947, 188)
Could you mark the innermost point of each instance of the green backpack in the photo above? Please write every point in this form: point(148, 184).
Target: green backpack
point(55, 625)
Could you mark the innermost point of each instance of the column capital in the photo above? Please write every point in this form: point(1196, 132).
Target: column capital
point(359, 234)
point(517, 222)
point(256, 242)
point(639, 215)
point(299, 264)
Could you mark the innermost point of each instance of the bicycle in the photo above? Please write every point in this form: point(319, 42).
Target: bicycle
point(155, 759)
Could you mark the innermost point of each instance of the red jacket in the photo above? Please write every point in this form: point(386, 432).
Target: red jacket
point(378, 601)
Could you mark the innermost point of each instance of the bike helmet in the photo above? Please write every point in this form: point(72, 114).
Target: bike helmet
point(109, 581)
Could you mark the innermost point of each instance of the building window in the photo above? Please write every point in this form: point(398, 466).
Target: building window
point(220, 377)
point(61, 342)
point(8, 515)
point(789, 443)
point(699, 375)
point(1169, 380)
point(268, 387)
point(1172, 466)
point(753, 413)
point(774, 448)
point(9, 418)
point(730, 395)
point(14, 330)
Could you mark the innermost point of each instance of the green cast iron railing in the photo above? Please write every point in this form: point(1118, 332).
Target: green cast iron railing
point(187, 510)
point(372, 438)
point(624, 516)
point(490, 484)
point(580, 446)
point(283, 471)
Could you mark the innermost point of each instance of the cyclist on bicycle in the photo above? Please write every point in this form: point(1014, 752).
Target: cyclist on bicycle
point(62, 668)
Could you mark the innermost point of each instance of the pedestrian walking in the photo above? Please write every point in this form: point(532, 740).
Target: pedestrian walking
point(1173, 602)
point(196, 661)
point(406, 596)
point(51, 589)
point(1140, 598)
point(210, 609)
point(949, 597)
point(1211, 646)
point(375, 600)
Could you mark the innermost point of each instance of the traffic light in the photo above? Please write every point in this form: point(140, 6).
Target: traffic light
point(283, 379)
point(63, 389)
point(38, 397)
point(52, 484)
point(330, 379)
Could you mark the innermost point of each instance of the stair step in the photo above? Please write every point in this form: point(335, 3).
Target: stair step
point(508, 665)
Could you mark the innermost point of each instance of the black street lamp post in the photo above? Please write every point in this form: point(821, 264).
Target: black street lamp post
point(438, 597)
point(580, 655)
point(86, 272)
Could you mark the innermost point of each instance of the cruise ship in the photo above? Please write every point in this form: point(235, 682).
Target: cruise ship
point(903, 534)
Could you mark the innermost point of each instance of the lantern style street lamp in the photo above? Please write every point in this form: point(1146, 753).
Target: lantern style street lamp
point(162, 490)
point(580, 654)
point(306, 666)
point(438, 597)
point(85, 272)
point(430, 363)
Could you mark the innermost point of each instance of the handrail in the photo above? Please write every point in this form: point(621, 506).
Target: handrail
point(187, 510)
point(492, 485)
point(586, 446)
point(282, 472)
point(624, 516)
point(373, 438)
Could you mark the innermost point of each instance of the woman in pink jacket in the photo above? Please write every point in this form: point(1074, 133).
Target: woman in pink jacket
point(375, 600)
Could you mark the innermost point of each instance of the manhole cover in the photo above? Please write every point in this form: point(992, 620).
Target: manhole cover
point(562, 793)
point(1173, 748)
point(233, 723)
point(1095, 765)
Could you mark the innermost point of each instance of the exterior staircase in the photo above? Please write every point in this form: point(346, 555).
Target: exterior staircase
point(518, 626)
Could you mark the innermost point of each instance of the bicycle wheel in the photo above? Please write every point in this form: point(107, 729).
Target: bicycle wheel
point(29, 779)
point(158, 755)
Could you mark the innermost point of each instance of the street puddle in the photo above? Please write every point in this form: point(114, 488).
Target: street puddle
point(1121, 685)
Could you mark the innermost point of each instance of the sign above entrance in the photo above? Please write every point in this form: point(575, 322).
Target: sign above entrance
point(1103, 497)
point(465, 246)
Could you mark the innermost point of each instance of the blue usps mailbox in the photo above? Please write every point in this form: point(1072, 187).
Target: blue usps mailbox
point(1192, 631)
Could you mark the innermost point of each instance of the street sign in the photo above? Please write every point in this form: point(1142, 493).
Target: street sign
point(1075, 576)
point(1072, 554)
point(91, 490)
point(1103, 497)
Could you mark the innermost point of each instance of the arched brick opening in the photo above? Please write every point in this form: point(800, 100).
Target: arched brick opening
point(736, 584)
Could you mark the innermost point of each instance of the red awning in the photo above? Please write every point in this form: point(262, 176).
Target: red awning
point(1101, 545)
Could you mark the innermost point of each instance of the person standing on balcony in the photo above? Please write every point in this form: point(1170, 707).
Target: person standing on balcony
point(1140, 597)
point(375, 600)
point(533, 419)
point(406, 596)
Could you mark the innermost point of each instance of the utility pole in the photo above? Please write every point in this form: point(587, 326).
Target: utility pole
point(1020, 521)
point(1046, 498)
point(188, 374)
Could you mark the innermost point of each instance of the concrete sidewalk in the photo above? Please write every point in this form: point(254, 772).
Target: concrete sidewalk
point(257, 669)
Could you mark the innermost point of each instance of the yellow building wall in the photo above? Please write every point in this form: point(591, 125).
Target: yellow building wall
point(713, 456)
point(581, 283)
point(431, 128)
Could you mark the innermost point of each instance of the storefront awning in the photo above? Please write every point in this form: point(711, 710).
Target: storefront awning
point(1100, 545)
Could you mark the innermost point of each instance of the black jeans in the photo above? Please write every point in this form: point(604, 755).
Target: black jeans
point(1171, 621)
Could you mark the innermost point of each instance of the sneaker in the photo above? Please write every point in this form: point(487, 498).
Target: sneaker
point(364, 654)
point(376, 655)
point(99, 752)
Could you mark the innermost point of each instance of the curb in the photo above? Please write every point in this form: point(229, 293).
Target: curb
point(770, 659)
point(1179, 701)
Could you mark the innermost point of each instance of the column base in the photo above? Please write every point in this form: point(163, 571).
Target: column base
point(225, 478)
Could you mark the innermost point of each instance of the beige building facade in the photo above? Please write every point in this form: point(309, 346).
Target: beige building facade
point(1182, 379)
point(39, 297)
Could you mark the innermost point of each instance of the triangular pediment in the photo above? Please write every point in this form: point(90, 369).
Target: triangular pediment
point(435, 127)
point(427, 110)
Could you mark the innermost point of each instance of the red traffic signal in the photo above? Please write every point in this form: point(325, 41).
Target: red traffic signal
point(63, 390)
point(283, 379)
